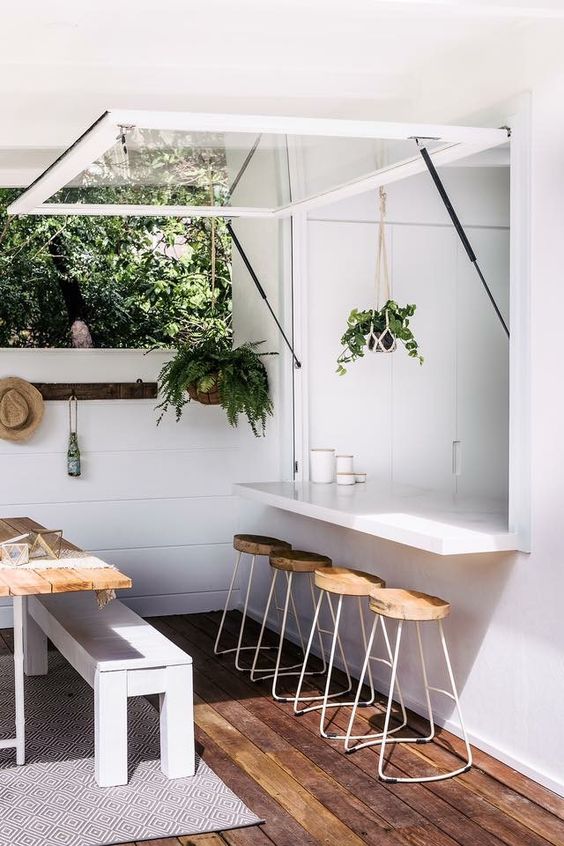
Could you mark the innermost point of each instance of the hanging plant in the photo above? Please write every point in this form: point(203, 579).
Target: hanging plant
point(211, 372)
point(378, 330)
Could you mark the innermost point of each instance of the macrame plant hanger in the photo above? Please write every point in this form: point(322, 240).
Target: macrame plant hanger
point(385, 340)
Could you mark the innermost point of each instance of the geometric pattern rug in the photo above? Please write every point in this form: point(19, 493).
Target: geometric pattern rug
point(53, 800)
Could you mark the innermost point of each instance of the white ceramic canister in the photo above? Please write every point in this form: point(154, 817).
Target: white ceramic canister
point(345, 463)
point(360, 477)
point(322, 466)
point(346, 479)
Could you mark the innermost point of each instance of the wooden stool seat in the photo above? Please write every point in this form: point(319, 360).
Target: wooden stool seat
point(258, 544)
point(345, 582)
point(298, 561)
point(408, 605)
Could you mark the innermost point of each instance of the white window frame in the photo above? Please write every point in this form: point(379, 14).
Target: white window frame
point(456, 142)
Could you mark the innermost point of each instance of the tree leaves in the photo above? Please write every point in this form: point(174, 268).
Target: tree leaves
point(143, 279)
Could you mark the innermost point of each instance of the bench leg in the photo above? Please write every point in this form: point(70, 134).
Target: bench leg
point(35, 645)
point(110, 714)
point(177, 723)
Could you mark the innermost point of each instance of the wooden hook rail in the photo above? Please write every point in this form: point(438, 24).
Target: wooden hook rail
point(97, 390)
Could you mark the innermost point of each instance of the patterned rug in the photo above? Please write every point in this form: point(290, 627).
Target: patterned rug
point(54, 800)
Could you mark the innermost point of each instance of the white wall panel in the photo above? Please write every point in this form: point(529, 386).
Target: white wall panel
point(156, 500)
point(482, 363)
point(122, 425)
point(398, 418)
point(416, 200)
point(351, 413)
point(424, 396)
point(181, 569)
point(136, 523)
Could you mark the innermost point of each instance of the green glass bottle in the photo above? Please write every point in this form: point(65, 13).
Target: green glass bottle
point(73, 456)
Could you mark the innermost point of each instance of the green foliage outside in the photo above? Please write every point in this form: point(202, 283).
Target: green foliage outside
point(133, 281)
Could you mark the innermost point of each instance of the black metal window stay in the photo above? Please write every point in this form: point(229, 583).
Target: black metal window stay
point(261, 291)
point(452, 214)
point(460, 230)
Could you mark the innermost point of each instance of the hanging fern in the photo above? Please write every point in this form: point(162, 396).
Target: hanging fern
point(238, 375)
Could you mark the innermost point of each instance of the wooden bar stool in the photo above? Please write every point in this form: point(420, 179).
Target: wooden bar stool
point(292, 563)
point(340, 582)
point(410, 606)
point(253, 545)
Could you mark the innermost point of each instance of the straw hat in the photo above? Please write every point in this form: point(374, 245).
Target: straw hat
point(21, 409)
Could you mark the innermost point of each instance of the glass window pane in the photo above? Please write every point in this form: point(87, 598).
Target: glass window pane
point(168, 167)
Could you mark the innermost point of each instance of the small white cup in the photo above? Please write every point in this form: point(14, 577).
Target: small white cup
point(345, 463)
point(322, 466)
point(360, 478)
point(346, 478)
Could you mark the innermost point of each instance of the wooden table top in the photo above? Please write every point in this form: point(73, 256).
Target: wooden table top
point(27, 581)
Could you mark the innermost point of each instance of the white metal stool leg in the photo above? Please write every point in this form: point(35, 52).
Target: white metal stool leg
point(315, 626)
point(239, 648)
point(326, 704)
point(288, 608)
point(258, 647)
point(216, 649)
point(326, 696)
point(288, 599)
point(244, 617)
point(374, 737)
point(426, 687)
point(452, 694)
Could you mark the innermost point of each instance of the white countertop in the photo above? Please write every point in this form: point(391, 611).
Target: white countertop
point(445, 525)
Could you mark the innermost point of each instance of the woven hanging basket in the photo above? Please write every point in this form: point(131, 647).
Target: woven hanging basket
point(383, 342)
point(205, 397)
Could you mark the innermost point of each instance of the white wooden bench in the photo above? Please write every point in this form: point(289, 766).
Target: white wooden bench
point(119, 655)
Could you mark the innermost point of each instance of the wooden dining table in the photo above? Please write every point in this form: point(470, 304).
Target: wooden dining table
point(47, 577)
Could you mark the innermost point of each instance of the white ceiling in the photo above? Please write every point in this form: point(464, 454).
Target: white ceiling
point(63, 62)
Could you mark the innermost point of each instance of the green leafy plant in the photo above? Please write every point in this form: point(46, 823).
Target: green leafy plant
point(207, 368)
point(119, 281)
point(388, 324)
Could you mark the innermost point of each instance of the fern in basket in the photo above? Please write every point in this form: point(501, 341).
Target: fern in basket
point(210, 371)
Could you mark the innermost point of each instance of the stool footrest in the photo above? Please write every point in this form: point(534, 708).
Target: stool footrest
point(444, 692)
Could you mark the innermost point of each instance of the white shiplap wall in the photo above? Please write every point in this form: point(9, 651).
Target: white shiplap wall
point(154, 501)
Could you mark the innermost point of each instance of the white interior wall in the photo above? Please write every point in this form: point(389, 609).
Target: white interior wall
point(154, 501)
point(399, 418)
point(505, 630)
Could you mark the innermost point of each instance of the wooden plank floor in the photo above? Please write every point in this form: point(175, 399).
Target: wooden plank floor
point(310, 792)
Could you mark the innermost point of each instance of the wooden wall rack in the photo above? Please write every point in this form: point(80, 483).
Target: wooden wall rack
point(97, 390)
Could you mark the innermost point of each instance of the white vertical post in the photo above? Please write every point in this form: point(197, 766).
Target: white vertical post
point(301, 400)
point(110, 717)
point(520, 321)
point(19, 679)
point(177, 723)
